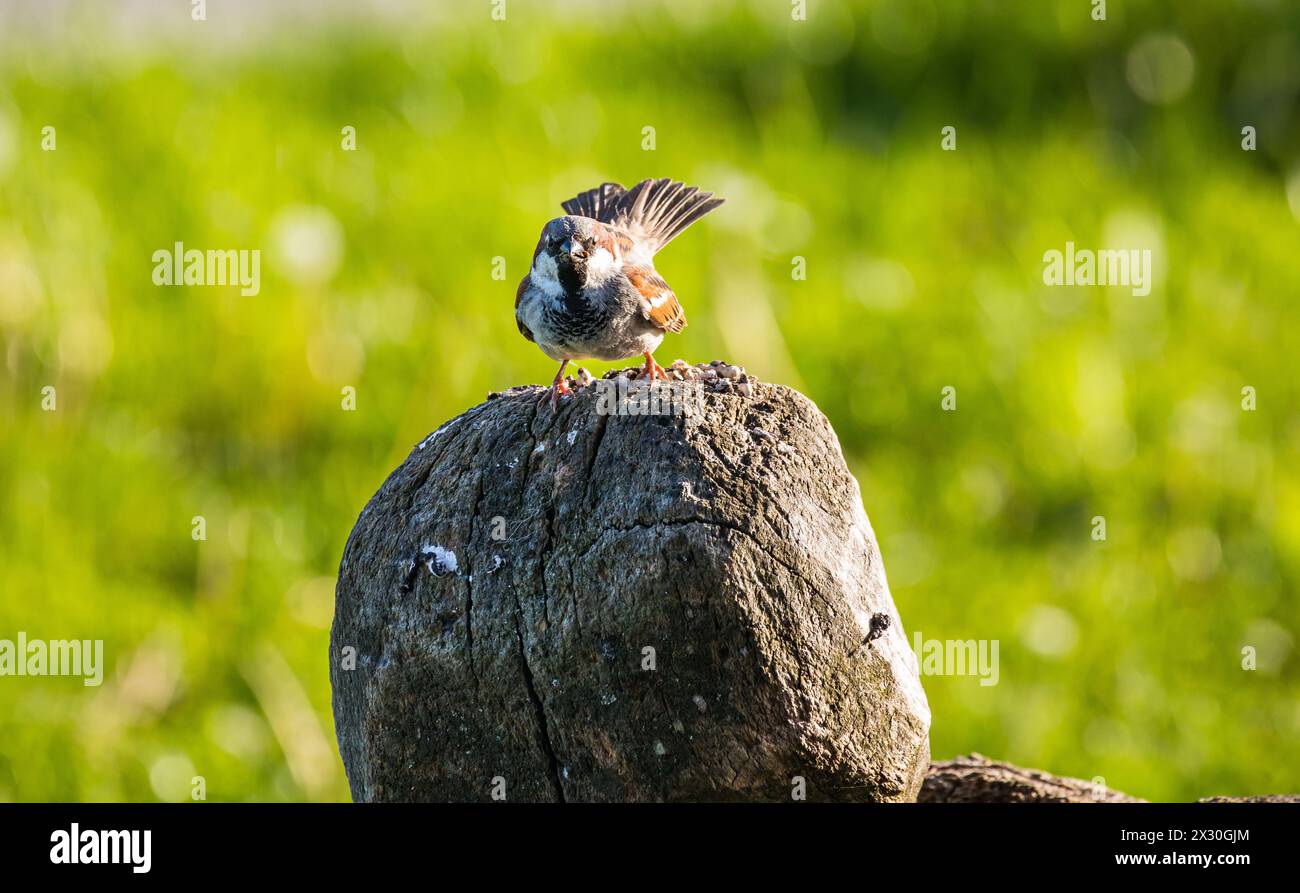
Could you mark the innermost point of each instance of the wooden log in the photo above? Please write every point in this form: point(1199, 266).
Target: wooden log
point(599, 604)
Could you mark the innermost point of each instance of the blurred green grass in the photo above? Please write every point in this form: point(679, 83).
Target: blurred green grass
point(1120, 659)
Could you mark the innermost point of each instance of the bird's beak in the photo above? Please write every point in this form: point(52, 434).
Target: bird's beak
point(573, 248)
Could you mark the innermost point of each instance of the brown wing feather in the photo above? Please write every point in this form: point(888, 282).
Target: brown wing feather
point(617, 242)
point(658, 302)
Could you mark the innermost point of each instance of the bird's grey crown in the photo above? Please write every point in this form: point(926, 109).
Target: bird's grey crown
point(567, 227)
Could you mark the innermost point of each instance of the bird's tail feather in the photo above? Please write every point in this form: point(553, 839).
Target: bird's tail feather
point(655, 211)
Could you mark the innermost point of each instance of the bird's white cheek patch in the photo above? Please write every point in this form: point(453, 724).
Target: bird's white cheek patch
point(546, 276)
point(600, 266)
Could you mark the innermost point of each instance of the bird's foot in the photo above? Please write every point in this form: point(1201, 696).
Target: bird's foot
point(652, 369)
point(560, 387)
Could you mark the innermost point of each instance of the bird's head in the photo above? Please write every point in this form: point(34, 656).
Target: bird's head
point(569, 245)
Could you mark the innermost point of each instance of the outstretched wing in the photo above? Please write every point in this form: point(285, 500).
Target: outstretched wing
point(658, 302)
point(598, 204)
point(654, 212)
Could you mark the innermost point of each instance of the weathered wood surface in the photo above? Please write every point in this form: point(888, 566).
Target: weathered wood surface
point(499, 593)
point(586, 606)
point(977, 779)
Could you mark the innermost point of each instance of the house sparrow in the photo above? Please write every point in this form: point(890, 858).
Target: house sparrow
point(592, 290)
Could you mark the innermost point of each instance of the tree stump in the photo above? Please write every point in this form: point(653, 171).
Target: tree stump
point(606, 604)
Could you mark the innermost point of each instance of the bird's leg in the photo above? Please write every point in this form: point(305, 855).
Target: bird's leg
point(652, 369)
point(559, 385)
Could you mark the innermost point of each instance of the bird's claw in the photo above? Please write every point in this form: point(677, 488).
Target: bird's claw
point(554, 392)
point(653, 370)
